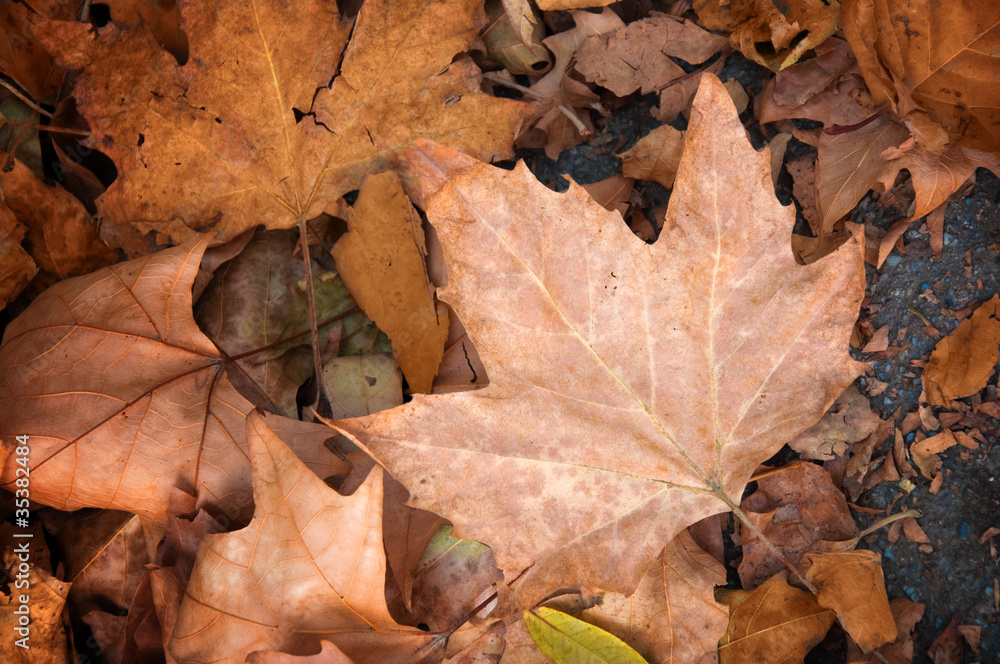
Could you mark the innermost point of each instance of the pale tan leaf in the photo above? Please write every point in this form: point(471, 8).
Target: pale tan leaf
point(310, 566)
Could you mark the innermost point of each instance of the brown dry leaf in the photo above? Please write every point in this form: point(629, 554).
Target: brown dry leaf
point(947, 647)
point(962, 362)
point(925, 452)
point(906, 615)
point(146, 406)
point(851, 163)
point(637, 57)
point(382, 260)
point(827, 88)
point(42, 602)
point(257, 299)
point(558, 88)
point(851, 583)
point(16, 266)
point(774, 623)
point(803, 172)
point(773, 37)
point(676, 98)
point(796, 507)
point(582, 478)
point(23, 59)
point(849, 420)
point(275, 116)
point(935, 64)
point(309, 566)
point(61, 236)
point(105, 556)
point(612, 193)
point(656, 156)
point(672, 616)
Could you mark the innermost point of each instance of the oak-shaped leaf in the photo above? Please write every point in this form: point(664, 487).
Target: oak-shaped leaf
point(123, 398)
point(310, 566)
point(633, 387)
point(276, 114)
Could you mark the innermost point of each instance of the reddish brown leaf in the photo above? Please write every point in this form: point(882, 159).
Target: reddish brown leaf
point(145, 405)
point(249, 132)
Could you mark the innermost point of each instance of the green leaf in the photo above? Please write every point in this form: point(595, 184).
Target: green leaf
point(569, 640)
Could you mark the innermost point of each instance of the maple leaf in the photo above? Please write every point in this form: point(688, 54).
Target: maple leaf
point(633, 387)
point(124, 398)
point(263, 124)
point(310, 565)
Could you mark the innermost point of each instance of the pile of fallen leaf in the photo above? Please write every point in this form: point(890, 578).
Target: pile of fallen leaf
point(305, 378)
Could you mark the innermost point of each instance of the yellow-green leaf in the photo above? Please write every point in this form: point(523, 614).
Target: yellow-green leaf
point(569, 640)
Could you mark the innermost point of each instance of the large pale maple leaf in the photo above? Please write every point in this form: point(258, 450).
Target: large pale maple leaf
point(633, 388)
point(275, 115)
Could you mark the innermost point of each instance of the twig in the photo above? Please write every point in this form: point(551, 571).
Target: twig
point(580, 127)
point(332, 319)
point(313, 328)
point(775, 471)
point(35, 107)
point(48, 128)
point(881, 523)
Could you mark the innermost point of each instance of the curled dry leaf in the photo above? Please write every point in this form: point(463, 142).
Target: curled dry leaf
point(849, 420)
point(693, 359)
point(275, 116)
point(851, 583)
point(772, 34)
point(145, 405)
point(963, 361)
point(797, 507)
point(309, 566)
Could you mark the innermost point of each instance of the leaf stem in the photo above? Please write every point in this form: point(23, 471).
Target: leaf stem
point(332, 319)
point(778, 553)
point(48, 128)
point(35, 107)
point(313, 327)
point(580, 127)
point(881, 523)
